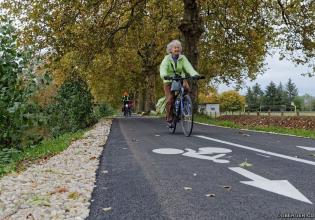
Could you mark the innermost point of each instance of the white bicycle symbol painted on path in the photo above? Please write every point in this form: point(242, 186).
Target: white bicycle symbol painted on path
point(202, 153)
point(281, 187)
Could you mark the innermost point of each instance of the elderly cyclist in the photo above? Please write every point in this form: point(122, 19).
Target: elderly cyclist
point(174, 63)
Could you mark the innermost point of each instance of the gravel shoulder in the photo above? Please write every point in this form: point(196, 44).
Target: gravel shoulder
point(58, 188)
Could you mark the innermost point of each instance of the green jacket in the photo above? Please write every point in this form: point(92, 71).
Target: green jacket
point(183, 67)
point(125, 98)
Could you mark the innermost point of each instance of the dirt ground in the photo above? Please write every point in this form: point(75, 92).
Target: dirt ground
point(305, 122)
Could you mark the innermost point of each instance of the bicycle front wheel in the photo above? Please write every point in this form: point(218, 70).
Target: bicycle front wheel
point(187, 119)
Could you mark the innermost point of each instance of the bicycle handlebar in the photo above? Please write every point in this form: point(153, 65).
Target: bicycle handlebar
point(177, 77)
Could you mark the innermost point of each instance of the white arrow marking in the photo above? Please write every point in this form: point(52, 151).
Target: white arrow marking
point(281, 187)
point(259, 150)
point(307, 148)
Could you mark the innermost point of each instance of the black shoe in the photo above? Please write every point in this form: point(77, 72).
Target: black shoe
point(170, 124)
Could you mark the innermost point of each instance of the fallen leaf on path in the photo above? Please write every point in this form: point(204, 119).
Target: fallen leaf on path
point(210, 195)
point(107, 209)
point(38, 200)
point(34, 184)
point(74, 195)
point(30, 216)
point(245, 164)
point(60, 190)
point(93, 158)
point(187, 188)
point(228, 188)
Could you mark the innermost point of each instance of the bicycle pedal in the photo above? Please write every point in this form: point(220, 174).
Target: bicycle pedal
point(170, 126)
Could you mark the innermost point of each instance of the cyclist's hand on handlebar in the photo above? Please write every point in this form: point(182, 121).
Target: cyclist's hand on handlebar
point(167, 77)
point(197, 77)
point(175, 77)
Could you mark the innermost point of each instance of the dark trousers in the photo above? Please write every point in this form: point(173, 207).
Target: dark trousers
point(170, 98)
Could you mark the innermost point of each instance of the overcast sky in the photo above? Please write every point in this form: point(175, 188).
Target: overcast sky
point(280, 71)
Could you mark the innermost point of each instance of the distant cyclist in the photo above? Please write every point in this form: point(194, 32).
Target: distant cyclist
point(174, 62)
point(126, 104)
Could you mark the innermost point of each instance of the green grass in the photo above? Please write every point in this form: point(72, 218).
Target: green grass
point(12, 160)
point(281, 130)
point(208, 120)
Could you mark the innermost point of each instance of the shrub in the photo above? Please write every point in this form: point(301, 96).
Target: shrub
point(72, 108)
point(17, 112)
point(103, 110)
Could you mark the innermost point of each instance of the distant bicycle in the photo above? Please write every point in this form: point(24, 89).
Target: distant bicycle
point(183, 106)
point(127, 109)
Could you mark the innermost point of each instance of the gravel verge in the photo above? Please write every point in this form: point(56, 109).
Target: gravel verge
point(58, 188)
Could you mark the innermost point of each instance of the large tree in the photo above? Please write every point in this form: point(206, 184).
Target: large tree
point(281, 98)
point(291, 91)
point(254, 97)
point(115, 43)
point(231, 101)
point(249, 98)
point(270, 95)
point(258, 94)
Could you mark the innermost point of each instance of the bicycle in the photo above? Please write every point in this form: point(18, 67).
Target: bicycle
point(127, 109)
point(183, 106)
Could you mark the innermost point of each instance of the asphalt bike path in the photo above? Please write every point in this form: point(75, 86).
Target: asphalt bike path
point(147, 173)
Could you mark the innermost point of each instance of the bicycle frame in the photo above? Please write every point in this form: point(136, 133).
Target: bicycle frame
point(181, 94)
point(180, 107)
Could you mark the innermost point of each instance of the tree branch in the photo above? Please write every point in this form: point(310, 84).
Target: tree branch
point(283, 13)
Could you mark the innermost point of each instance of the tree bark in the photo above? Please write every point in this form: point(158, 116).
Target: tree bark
point(192, 29)
point(150, 92)
point(141, 98)
point(149, 71)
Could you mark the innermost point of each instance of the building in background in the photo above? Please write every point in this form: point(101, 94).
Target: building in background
point(209, 109)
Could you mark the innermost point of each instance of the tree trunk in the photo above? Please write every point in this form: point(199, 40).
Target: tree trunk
point(149, 66)
point(150, 92)
point(192, 28)
point(141, 98)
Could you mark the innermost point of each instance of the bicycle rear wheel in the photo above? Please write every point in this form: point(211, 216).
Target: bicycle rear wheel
point(187, 119)
point(172, 129)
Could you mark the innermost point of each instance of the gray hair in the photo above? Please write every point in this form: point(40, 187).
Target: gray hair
point(174, 43)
